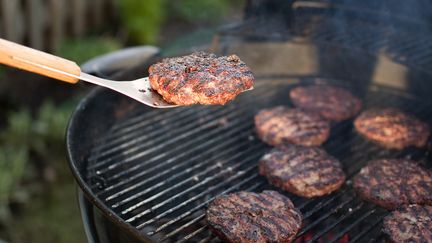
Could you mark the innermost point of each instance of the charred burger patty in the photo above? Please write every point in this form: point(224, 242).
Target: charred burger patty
point(200, 78)
point(391, 183)
point(411, 223)
point(254, 217)
point(304, 171)
point(284, 125)
point(331, 102)
point(392, 128)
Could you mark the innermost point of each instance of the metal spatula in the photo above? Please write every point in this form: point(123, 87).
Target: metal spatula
point(35, 61)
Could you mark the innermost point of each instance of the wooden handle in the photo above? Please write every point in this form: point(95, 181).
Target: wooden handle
point(35, 61)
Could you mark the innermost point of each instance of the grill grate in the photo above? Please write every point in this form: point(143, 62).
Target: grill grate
point(158, 169)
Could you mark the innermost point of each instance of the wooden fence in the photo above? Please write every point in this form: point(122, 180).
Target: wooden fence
point(42, 24)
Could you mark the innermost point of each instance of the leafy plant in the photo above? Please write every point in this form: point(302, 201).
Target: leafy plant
point(25, 142)
point(49, 129)
point(12, 167)
point(42, 137)
point(142, 19)
point(205, 11)
point(14, 156)
point(83, 49)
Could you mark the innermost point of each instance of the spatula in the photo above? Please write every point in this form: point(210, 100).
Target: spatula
point(35, 61)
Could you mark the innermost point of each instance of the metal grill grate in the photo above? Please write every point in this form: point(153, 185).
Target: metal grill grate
point(157, 170)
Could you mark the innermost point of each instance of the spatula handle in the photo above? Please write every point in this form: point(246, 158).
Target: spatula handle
point(35, 61)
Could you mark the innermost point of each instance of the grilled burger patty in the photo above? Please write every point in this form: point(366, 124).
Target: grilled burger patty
point(411, 223)
point(284, 125)
point(392, 128)
point(331, 102)
point(200, 78)
point(391, 183)
point(304, 171)
point(254, 217)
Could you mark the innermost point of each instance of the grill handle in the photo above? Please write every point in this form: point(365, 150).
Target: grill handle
point(39, 62)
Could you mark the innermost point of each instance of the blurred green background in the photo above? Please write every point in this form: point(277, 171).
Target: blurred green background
point(37, 191)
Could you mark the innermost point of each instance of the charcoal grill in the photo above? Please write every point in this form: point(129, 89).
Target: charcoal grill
point(151, 173)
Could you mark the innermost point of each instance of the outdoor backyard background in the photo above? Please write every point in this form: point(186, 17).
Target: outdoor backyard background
point(37, 191)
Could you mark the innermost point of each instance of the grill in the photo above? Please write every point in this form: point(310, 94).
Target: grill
point(153, 172)
point(158, 169)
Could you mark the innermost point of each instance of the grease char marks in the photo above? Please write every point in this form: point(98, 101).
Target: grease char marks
point(254, 217)
point(304, 171)
point(392, 128)
point(200, 78)
point(411, 223)
point(391, 183)
point(284, 125)
point(331, 102)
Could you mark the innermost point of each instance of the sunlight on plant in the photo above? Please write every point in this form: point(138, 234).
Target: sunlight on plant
point(142, 19)
point(202, 10)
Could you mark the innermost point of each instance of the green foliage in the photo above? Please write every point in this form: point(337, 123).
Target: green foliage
point(12, 167)
point(28, 141)
point(81, 50)
point(207, 11)
point(18, 130)
point(42, 136)
point(142, 19)
point(54, 212)
point(49, 130)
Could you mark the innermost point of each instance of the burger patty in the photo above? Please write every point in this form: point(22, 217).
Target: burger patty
point(391, 183)
point(392, 128)
point(283, 125)
point(200, 78)
point(304, 171)
point(331, 102)
point(254, 217)
point(411, 223)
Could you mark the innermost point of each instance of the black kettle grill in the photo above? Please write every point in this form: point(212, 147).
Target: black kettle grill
point(146, 175)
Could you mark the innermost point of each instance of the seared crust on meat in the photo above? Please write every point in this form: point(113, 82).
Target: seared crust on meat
point(411, 223)
point(304, 171)
point(200, 78)
point(391, 183)
point(254, 217)
point(392, 128)
point(331, 102)
point(284, 125)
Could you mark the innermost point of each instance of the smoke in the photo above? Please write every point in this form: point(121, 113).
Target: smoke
point(396, 32)
point(392, 13)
